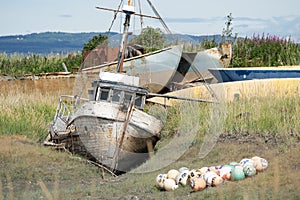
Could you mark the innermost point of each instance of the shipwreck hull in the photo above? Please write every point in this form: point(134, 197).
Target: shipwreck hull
point(99, 132)
point(98, 139)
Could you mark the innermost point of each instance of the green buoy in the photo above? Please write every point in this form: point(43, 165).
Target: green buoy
point(237, 173)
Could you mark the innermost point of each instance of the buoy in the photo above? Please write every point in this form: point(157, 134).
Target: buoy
point(249, 170)
point(214, 169)
point(203, 170)
point(225, 172)
point(237, 173)
point(234, 163)
point(246, 161)
point(181, 178)
point(172, 174)
point(212, 179)
point(217, 181)
point(181, 169)
point(194, 173)
point(170, 184)
point(160, 179)
point(197, 183)
point(260, 164)
point(199, 179)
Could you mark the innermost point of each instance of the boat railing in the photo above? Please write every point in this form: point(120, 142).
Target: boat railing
point(67, 104)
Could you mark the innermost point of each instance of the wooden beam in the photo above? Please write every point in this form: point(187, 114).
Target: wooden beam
point(114, 10)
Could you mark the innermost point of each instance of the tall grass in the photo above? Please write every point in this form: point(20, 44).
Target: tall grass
point(18, 64)
point(30, 114)
point(26, 114)
point(267, 117)
point(274, 118)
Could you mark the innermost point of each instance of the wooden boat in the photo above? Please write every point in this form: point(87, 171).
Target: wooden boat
point(162, 70)
point(110, 127)
point(252, 73)
point(155, 70)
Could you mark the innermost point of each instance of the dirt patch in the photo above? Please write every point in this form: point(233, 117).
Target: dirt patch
point(269, 140)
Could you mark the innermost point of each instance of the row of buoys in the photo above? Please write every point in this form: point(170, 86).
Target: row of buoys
point(199, 179)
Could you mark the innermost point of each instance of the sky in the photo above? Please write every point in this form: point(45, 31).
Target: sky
point(195, 17)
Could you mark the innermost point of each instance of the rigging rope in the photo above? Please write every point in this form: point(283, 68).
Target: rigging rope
point(141, 17)
point(160, 19)
point(115, 17)
point(206, 85)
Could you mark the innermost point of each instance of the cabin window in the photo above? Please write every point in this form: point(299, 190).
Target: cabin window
point(104, 94)
point(127, 98)
point(92, 94)
point(138, 100)
point(116, 95)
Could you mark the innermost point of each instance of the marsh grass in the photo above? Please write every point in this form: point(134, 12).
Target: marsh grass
point(19, 64)
point(265, 118)
point(273, 117)
point(29, 114)
point(26, 114)
point(28, 169)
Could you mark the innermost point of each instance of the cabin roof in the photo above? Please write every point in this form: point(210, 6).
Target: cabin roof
point(120, 78)
point(120, 86)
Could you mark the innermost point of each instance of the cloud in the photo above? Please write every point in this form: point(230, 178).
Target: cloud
point(243, 19)
point(65, 16)
point(281, 26)
point(245, 26)
point(242, 26)
point(192, 20)
point(213, 19)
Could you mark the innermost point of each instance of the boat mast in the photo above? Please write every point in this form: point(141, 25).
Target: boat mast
point(128, 10)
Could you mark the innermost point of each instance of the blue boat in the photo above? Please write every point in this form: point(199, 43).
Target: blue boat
point(251, 73)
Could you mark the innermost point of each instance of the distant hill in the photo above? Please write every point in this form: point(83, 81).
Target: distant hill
point(61, 42)
point(45, 43)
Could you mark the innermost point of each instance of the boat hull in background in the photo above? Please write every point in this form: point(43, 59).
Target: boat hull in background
point(252, 73)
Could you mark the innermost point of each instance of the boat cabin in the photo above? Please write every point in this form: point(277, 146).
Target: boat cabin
point(119, 91)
